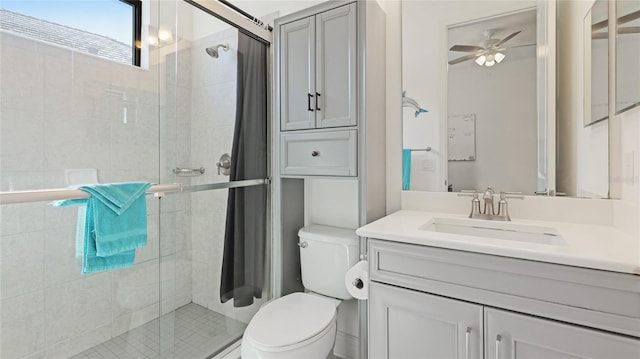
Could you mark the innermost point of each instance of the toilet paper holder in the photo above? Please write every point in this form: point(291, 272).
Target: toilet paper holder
point(358, 283)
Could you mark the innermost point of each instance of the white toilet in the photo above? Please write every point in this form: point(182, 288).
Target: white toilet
point(303, 325)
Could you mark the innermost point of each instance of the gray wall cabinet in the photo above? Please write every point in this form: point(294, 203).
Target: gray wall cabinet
point(427, 302)
point(318, 70)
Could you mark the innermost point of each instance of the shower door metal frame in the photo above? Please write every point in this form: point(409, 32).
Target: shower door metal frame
point(233, 18)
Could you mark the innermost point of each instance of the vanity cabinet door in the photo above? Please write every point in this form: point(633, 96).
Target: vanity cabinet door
point(297, 75)
point(510, 335)
point(336, 67)
point(409, 324)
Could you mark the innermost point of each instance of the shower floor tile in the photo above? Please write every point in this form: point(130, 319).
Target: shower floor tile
point(197, 334)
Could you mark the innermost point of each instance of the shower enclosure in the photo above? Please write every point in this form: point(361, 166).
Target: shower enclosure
point(75, 108)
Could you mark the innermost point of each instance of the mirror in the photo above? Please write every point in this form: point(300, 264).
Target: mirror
point(596, 63)
point(627, 55)
point(491, 105)
point(484, 128)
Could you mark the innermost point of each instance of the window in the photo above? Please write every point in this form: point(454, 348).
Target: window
point(107, 28)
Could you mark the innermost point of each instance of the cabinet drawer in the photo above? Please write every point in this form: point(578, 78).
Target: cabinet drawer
point(319, 153)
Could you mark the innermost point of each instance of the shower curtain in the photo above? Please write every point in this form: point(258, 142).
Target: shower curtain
point(243, 263)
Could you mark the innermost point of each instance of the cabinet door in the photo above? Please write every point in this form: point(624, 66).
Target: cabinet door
point(409, 324)
point(511, 335)
point(297, 75)
point(336, 101)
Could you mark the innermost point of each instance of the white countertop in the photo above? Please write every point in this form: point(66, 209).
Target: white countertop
point(589, 246)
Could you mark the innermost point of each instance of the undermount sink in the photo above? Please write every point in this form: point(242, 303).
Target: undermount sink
point(496, 230)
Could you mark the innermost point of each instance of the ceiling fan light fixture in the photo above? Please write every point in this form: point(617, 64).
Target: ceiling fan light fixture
point(480, 60)
point(489, 63)
point(499, 57)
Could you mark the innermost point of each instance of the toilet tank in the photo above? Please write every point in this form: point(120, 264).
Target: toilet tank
point(326, 253)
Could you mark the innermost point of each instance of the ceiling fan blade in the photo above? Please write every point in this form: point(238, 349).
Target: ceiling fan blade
point(629, 30)
point(507, 38)
point(515, 47)
point(463, 58)
point(466, 48)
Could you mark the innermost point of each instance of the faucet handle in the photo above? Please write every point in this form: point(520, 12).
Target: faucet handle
point(468, 193)
point(515, 195)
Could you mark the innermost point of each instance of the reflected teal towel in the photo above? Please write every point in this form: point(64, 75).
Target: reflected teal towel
point(115, 224)
point(406, 168)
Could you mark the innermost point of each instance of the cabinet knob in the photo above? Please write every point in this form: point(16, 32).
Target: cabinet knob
point(315, 153)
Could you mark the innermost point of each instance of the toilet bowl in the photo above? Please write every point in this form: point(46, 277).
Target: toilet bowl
point(303, 325)
point(299, 325)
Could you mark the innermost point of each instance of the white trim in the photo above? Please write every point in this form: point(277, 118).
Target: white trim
point(234, 18)
point(346, 346)
point(230, 352)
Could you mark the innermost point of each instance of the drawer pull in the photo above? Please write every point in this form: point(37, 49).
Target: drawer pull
point(309, 97)
point(317, 101)
point(498, 339)
point(315, 153)
point(466, 340)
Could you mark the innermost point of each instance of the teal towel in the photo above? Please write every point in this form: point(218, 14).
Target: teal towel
point(115, 224)
point(406, 168)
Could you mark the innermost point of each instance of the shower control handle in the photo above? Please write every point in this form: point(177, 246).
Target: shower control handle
point(224, 164)
point(315, 153)
point(317, 101)
point(309, 97)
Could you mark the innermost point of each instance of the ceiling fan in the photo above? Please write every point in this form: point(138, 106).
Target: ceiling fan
point(488, 55)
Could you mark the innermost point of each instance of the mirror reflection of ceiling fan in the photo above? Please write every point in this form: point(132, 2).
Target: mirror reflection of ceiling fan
point(599, 30)
point(489, 55)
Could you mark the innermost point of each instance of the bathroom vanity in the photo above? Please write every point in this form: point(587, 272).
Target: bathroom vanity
point(437, 292)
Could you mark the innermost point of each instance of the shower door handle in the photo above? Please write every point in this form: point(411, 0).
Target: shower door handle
point(317, 101)
point(309, 97)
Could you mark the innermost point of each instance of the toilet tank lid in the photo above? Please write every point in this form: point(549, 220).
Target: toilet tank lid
point(328, 234)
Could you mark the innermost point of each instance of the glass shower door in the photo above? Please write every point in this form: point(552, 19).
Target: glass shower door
point(69, 116)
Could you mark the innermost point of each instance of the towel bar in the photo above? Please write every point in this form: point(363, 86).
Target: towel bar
point(47, 195)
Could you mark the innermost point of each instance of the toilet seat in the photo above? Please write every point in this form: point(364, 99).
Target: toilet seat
point(292, 321)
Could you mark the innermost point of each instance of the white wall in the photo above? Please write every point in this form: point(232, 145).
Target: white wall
point(627, 177)
point(583, 152)
point(393, 10)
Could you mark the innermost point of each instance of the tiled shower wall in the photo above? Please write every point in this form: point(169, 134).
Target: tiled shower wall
point(64, 110)
point(213, 110)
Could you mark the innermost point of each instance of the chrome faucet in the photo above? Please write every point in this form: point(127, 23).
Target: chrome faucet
point(488, 212)
point(488, 202)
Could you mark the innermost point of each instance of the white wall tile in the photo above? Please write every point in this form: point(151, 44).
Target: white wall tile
point(135, 288)
point(22, 331)
point(79, 343)
point(76, 308)
point(22, 74)
point(21, 218)
point(134, 319)
point(22, 267)
point(62, 262)
point(21, 138)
